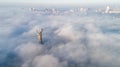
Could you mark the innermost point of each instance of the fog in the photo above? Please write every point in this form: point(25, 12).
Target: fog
point(69, 39)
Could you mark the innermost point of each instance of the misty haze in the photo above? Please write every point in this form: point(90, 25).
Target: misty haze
point(71, 36)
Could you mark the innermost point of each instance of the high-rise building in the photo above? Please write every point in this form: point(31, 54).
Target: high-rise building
point(107, 9)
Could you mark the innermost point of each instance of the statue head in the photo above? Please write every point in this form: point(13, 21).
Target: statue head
point(39, 30)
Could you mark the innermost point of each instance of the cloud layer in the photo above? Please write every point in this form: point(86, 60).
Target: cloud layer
point(68, 40)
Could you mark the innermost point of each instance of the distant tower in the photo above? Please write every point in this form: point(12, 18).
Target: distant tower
point(107, 9)
point(39, 35)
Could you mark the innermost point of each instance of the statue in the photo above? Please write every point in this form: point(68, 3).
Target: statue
point(39, 35)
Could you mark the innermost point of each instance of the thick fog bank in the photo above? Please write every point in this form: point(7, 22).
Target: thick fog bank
point(70, 40)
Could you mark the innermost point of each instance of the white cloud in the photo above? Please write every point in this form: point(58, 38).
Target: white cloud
point(69, 40)
point(46, 61)
point(29, 50)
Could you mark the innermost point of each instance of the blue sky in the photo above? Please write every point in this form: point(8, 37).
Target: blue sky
point(60, 1)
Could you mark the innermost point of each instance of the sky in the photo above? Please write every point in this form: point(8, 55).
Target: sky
point(60, 1)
